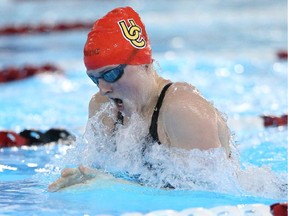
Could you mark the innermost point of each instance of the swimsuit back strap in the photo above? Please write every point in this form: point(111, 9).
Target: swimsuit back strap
point(154, 121)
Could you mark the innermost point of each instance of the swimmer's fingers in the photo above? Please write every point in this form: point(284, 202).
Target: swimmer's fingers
point(55, 186)
point(66, 181)
point(88, 173)
point(68, 172)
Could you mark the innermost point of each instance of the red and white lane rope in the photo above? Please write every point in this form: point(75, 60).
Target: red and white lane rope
point(274, 121)
point(44, 28)
point(277, 209)
point(282, 55)
point(261, 122)
point(17, 73)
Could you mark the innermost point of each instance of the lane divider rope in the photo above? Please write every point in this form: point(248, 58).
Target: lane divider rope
point(9, 74)
point(44, 28)
point(282, 55)
point(277, 209)
point(275, 121)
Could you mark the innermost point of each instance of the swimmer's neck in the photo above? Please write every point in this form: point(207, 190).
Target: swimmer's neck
point(147, 109)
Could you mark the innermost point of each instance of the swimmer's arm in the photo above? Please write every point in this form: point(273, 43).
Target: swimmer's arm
point(75, 176)
point(95, 105)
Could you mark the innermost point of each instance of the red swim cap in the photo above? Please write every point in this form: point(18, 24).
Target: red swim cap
point(117, 38)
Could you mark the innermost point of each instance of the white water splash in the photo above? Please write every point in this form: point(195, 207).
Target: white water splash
point(160, 166)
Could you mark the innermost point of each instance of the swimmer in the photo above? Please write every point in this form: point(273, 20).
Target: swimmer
point(32, 137)
point(118, 59)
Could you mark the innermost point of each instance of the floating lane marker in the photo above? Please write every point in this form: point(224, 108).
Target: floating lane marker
point(17, 73)
point(44, 28)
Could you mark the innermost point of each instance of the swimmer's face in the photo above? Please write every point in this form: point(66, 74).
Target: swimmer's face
point(122, 84)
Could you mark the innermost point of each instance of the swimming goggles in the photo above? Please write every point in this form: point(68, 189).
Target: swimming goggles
point(110, 76)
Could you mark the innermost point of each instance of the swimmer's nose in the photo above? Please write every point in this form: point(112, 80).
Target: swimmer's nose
point(104, 87)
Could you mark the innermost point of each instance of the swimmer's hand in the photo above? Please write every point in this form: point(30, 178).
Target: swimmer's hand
point(72, 176)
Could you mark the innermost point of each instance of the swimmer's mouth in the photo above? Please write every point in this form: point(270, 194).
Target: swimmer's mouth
point(119, 103)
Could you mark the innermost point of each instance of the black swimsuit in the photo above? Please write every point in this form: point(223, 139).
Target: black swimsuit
point(154, 121)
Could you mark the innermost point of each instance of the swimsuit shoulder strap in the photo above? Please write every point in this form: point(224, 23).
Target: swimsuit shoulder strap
point(154, 121)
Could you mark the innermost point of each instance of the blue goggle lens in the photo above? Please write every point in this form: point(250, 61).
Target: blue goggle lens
point(110, 76)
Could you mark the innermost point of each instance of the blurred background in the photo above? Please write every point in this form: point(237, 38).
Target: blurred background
point(227, 49)
point(233, 51)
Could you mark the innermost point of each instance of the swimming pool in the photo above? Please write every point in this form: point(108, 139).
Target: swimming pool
point(227, 49)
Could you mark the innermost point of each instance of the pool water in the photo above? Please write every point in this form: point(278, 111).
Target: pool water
point(227, 49)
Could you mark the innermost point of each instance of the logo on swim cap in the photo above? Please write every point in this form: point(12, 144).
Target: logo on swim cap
point(132, 33)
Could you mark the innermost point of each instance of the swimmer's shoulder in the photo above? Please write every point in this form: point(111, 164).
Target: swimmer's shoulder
point(184, 96)
point(185, 114)
point(182, 93)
